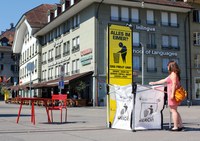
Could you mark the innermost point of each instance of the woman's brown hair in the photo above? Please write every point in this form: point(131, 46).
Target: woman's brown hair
point(173, 67)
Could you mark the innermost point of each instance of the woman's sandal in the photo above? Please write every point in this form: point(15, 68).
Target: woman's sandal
point(174, 129)
point(180, 128)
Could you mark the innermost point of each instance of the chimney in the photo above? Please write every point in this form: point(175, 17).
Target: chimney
point(11, 25)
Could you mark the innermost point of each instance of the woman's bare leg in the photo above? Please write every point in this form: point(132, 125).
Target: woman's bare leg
point(175, 116)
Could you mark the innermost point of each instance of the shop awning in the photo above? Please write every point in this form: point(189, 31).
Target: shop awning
point(51, 83)
point(67, 79)
point(19, 87)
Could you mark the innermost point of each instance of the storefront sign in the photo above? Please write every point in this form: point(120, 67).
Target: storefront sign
point(155, 52)
point(86, 56)
point(86, 51)
point(141, 27)
point(86, 60)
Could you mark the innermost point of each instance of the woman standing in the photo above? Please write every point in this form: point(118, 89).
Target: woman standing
point(173, 82)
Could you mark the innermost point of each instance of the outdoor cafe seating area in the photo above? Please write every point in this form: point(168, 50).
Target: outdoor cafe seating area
point(70, 102)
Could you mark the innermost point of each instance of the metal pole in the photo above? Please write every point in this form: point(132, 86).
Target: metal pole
point(142, 62)
point(30, 89)
point(30, 86)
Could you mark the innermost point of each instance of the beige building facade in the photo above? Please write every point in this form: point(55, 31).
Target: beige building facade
point(194, 51)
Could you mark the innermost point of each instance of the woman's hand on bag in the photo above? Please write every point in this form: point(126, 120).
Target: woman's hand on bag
point(151, 83)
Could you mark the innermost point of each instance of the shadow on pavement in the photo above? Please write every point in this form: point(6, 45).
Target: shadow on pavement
point(13, 115)
point(63, 122)
point(187, 126)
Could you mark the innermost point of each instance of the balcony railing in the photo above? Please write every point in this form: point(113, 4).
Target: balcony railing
point(75, 48)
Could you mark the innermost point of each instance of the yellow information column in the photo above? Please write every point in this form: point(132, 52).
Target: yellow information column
point(119, 63)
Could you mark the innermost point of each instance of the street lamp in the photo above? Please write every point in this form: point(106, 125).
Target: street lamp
point(141, 45)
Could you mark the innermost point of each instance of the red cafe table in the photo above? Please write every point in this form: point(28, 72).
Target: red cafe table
point(32, 102)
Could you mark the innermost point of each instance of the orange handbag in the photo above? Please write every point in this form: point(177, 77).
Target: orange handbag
point(180, 94)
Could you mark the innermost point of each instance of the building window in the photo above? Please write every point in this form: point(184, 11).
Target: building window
point(76, 21)
point(57, 71)
point(136, 63)
point(75, 66)
point(33, 49)
point(55, 13)
point(50, 73)
point(170, 42)
point(58, 52)
point(66, 68)
point(124, 14)
point(44, 58)
point(71, 2)
point(51, 35)
point(35, 65)
point(75, 44)
point(114, 13)
point(151, 64)
point(66, 48)
point(50, 55)
point(49, 17)
point(59, 31)
point(36, 47)
point(165, 61)
point(134, 15)
point(150, 17)
point(27, 53)
point(164, 19)
point(173, 20)
point(196, 16)
point(196, 38)
point(151, 40)
point(165, 41)
point(197, 87)
point(67, 26)
point(63, 6)
point(174, 42)
point(44, 75)
point(197, 61)
point(136, 39)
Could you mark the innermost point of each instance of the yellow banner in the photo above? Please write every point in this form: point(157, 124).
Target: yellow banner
point(119, 61)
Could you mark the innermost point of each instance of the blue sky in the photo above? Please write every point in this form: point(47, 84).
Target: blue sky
point(12, 10)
